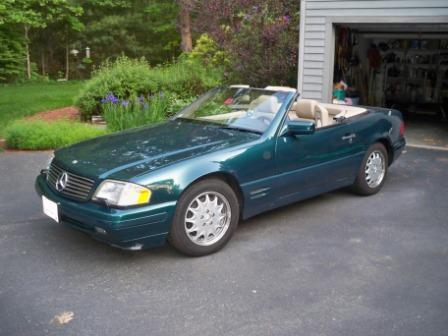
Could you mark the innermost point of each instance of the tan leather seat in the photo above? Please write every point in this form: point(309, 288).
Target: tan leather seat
point(308, 109)
point(303, 109)
point(266, 104)
point(321, 113)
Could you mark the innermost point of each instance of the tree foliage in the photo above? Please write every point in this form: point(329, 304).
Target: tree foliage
point(260, 36)
point(133, 28)
point(46, 31)
point(27, 15)
point(254, 40)
point(12, 54)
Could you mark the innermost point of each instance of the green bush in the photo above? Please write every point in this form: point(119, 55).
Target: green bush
point(126, 78)
point(186, 79)
point(44, 135)
point(207, 52)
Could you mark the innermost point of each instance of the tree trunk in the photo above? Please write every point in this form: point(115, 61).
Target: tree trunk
point(185, 27)
point(27, 49)
point(67, 62)
point(42, 62)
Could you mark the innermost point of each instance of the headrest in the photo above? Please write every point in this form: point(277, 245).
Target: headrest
point(322, 114)
point(244, 99)
point(306, 108)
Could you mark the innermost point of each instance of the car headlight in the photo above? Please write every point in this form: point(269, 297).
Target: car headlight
point(120, 193)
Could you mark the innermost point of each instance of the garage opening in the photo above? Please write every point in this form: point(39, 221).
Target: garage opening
point(402, 66)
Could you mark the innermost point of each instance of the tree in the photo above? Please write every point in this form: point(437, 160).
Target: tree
point(133, 28)
point(185, 25)
point(38, 14)
point(48, 30)
point(260, 37)
point(12, 54)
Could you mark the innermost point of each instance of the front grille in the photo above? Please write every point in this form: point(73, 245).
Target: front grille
point(77, 186)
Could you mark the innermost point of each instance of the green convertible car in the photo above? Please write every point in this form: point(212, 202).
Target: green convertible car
point(233, 153)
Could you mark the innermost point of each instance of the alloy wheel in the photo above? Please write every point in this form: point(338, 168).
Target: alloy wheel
point(375, 169)
point(207, 218)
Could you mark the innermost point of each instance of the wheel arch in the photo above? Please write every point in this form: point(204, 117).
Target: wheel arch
point(388, 145)
point(226, 177)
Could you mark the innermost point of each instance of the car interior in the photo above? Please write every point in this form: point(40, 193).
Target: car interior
point(322, 114)
point(265, 107)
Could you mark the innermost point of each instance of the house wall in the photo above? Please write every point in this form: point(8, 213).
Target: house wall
point(317, 37)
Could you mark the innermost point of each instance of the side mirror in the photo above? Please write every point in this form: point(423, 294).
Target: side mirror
point(300, 127)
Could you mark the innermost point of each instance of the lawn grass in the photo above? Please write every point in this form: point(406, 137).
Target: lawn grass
point(21, 100)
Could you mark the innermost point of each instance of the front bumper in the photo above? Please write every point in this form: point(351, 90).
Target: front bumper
point(131, 228)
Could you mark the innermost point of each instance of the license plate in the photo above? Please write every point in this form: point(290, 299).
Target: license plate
point(50, 208)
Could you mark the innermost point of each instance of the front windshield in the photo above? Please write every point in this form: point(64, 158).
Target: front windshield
point(244, 109)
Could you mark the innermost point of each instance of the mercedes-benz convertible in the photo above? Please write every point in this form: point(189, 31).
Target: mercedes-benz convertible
point(233, 153)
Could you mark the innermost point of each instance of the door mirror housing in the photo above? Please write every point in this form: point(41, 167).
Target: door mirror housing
point(300, 127)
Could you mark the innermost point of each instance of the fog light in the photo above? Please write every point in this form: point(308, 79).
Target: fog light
point(100, 230)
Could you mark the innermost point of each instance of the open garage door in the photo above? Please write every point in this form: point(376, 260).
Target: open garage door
point(403, 66)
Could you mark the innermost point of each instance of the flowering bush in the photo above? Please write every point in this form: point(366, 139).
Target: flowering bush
point(121, 114)
point(127, 78)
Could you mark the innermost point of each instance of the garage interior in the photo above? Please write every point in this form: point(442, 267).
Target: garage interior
point(402, 66)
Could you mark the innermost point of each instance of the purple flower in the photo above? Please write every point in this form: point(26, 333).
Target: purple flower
point(124, 102)
point(110, 98)
point(145, 106)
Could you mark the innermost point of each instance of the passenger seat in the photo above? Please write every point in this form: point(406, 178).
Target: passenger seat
point(309, 110)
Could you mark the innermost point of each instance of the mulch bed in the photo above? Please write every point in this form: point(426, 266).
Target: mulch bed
point(65, 113)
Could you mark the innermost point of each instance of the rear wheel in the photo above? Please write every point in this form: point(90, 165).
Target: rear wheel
point(206, 216)
point(373, 171)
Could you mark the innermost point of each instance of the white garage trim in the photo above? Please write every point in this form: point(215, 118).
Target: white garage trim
point(301, 45)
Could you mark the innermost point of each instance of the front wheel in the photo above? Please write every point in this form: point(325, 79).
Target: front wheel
point(373, 171)
point(206, 216)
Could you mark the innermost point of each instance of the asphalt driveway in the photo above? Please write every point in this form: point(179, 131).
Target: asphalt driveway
point(337, 264)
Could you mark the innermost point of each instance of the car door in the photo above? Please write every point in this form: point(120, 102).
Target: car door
point(310, 164)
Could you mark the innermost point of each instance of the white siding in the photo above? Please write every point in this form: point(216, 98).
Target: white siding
point(317, 36)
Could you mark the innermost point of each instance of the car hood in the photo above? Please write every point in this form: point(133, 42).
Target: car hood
point(130, 153)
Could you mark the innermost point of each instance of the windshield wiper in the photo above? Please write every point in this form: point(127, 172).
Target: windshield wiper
point(221, 126)
point(240, 129)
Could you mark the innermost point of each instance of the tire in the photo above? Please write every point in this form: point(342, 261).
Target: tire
point(365, 183)
point(210, 231)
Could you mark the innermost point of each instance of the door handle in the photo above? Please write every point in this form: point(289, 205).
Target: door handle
point(349, 137)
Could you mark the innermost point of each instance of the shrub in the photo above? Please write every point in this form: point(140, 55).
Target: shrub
point(207, 52)
point(126, 78)
point(44, 135)
point(186, 79)
point(121, 114)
